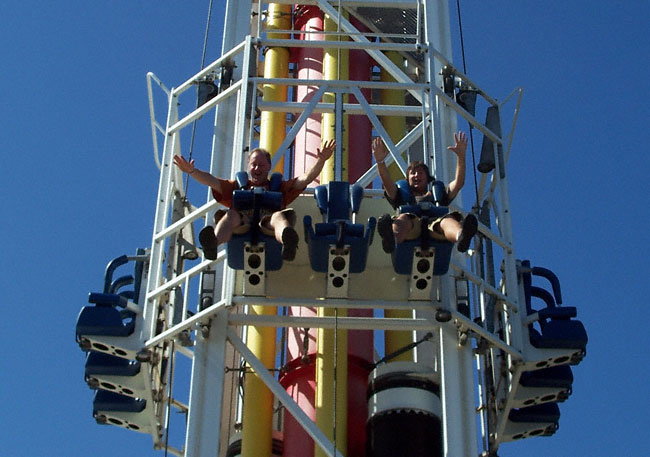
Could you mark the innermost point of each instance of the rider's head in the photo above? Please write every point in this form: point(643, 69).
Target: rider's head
point(259, 166)
point(418, 176)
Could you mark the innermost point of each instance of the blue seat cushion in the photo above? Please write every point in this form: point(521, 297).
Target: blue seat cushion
point(249, 199)
point(558, 376)
point(557, 312)
point(560, 334)
point(329, 229)
point(323, 235)
point(99, 363)
point(547, 412)
point(102, 299)
point(105, 321)
point(111, 401)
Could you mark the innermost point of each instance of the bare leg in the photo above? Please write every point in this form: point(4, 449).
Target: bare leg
point(450, 228)
point(278, 223)
point(459, 232)
point(284, 234)
point(226, 225)
point(402, 225)
point(210, 237)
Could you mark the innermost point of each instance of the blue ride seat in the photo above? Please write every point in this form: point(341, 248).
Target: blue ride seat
point(116, 374)
point(552, 384)
point(558, 376)
point(336, 201)
point(255, 200)
point(557, 328)
point(105, 319)
point(98, 363)
point(537, 420)
point(109, 317)
point(116, 409)
point(131, 413)
point(402, 256)
point(110, 401)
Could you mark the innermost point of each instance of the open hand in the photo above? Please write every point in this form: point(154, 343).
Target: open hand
point(327, 151)
point(461, 143)
point(379, 149)
point(184, 165)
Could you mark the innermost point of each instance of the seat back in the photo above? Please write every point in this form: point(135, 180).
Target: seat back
point(557, 329)
point(337, 201)
point(110, 326)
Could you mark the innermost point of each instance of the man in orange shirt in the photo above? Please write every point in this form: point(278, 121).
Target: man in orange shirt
point(278, 223)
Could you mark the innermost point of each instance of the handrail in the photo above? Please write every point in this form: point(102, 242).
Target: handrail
point(207, 70)
point(179, 224)
point(327, 44)
point(201, 110)
point(154, 124)
point(181, 278)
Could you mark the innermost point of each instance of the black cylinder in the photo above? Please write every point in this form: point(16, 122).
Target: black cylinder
point(404, 412)
point(487, 161)
point(234, 448)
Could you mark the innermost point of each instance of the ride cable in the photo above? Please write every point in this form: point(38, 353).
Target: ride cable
point(471, 129)
point(205, 47)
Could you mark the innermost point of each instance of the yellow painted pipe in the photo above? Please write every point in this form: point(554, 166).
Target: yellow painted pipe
point(396, 128)
point(394, 125)
point(257, 422)
point(335, 66)
point(325, 389)
point(276, 65)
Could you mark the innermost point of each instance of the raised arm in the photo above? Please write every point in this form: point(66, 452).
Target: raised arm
point(303, 181)
point(459, 149)
point(380, 152)
point(201, 176)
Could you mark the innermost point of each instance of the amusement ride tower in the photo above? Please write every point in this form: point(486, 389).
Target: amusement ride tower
point(346, 350)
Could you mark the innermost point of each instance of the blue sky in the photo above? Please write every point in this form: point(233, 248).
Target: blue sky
point(79, 187)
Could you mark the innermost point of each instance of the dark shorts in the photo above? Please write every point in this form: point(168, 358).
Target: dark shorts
point(434, 226)
point(265, 220)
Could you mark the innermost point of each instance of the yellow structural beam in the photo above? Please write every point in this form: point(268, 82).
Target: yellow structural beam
point(331, 397)
point(327, 375)
point(273, 125)
point(396, 128)
point(257, 422)
point(335, 67)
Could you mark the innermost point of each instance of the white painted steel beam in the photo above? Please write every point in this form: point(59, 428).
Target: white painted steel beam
point(301, 417)
point(343, 323)
point(205, 405)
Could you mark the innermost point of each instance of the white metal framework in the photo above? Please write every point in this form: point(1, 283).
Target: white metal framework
point(486, 324)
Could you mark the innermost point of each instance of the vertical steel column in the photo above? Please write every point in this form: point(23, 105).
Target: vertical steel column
point(204, 415)
point(457, 376)
point(203, 437)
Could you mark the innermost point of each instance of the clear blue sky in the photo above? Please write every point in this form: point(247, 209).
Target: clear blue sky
point(79, 187)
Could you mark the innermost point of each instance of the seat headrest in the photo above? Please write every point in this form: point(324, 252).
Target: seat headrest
point(241, 178)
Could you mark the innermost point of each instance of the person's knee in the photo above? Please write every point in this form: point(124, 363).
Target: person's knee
point(402, 224)
point(278, 219)
point(231, 219)
point(449, 225)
